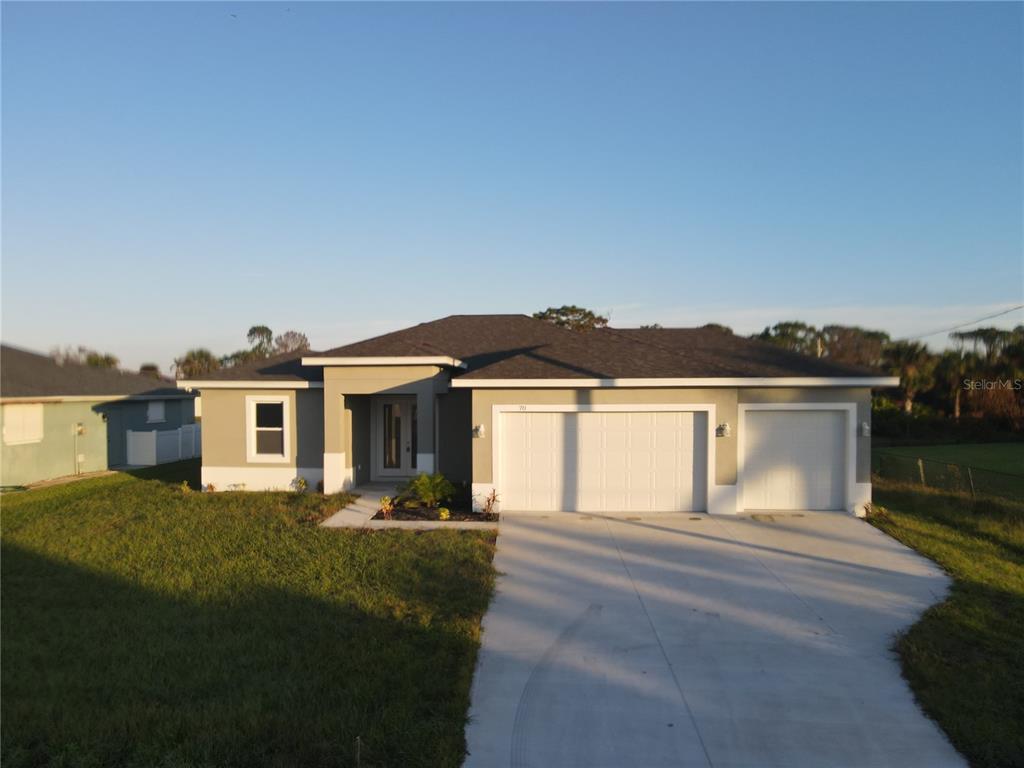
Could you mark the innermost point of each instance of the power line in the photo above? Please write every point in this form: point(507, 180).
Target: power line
point(963, 325)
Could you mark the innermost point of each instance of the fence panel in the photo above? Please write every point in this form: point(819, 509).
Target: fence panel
point(944, 476)
point(158, 447)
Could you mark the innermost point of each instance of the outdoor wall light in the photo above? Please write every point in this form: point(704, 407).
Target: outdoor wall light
point(723, 430)
point(865, 429)
point(478, 430)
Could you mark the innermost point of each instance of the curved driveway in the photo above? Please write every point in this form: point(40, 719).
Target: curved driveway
point(689, 640)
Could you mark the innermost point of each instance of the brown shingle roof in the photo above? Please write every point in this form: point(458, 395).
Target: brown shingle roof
point(520, 347)
point(28, 374)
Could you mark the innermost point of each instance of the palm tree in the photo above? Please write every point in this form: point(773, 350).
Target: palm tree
point(195, 363)
point(951, 370)
point(914, 364)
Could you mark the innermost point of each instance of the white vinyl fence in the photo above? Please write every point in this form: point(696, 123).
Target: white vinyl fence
point(158, 447)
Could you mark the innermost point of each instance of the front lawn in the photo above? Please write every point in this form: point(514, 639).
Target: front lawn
point(964, 659)
point(995, 457)
point(144, 625)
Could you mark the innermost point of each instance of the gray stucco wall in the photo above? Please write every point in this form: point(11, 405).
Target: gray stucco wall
point(454, 435)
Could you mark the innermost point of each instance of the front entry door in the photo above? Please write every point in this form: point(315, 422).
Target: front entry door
point(394, 447)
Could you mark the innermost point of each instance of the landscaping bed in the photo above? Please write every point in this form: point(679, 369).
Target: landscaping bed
point(433, 498)
point(147, 624)
point(434, 513)
point(963, 657)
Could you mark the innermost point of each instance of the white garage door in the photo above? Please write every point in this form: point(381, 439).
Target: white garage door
point(603, 462)
point(794, 460)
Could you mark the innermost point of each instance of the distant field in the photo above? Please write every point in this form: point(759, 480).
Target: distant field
point(996, 457)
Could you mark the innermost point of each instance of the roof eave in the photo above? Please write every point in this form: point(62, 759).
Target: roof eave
point(745, 381)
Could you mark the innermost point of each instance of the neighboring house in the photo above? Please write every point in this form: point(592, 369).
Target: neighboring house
point(67, 419)
point(551, 419)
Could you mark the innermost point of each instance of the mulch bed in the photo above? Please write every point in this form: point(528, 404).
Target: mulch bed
point(430, 513)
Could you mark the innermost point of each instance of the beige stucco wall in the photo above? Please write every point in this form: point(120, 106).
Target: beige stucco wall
point(224, 424)
point(341, 383)
point(725, 400)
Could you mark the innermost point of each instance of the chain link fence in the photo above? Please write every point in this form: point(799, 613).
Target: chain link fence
point(948, 477)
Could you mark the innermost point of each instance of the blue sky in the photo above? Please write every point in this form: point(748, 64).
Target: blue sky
point(174, 173)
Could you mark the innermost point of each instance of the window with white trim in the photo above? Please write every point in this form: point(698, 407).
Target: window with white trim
point(155, 412)
point(23, 423)
point(267, 426)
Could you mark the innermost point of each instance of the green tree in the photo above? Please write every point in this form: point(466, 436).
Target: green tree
point(914, 364)
point(290, 341)
point(951, 369)
point(717, 327)
point(84, 356)
point(261, 340)
point(853, 345)
point(795, 336)
point(572, 317)
point(195, 363)
point(150, 369)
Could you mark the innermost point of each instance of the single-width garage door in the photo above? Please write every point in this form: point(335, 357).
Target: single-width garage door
point(603, 461)
point(794, 460)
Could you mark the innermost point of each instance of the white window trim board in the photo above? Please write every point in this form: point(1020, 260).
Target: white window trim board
point(250, 429)
point(712, 502)
point(851, 492)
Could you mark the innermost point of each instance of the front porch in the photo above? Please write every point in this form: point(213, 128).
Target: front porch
point(382, 426)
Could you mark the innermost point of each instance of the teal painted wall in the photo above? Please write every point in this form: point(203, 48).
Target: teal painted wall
point(54, 456)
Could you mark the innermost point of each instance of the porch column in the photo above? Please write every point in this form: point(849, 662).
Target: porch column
point(337, 473)
point(425, 428)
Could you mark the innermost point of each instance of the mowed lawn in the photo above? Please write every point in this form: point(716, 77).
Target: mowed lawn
point(964, 659)
point(144, 625)
point(995, 457)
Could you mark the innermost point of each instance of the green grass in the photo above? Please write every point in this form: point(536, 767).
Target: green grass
point(964, 658)
point(143, 625)
point(995, 457)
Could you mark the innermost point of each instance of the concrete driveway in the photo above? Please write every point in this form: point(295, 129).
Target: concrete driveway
point(689, 640)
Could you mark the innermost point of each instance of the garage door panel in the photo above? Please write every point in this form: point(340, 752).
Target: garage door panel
point(794, 460)
point(604, 462)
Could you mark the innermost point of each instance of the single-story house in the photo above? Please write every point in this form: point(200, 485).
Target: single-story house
point(607, 420)
point(62, 419)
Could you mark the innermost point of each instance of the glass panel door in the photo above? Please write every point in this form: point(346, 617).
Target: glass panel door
point(392, 442)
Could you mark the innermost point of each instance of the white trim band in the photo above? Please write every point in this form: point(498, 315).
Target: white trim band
point(794, 381)
point(411, 360)
point(260, 478)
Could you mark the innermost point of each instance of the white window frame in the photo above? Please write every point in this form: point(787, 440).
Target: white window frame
point(36, 413)
point(250, 429)
point(149, 412)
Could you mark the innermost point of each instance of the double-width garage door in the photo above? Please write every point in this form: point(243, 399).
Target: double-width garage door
point(643, 461)
point(793, 460)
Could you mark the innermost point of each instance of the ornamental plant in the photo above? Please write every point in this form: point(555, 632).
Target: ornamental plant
point(429, 490)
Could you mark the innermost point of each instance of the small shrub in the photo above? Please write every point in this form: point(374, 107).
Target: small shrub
point(387, 507)
point(185, 489)
point(209, 488)
point(490, 502)
point(443, 513)
point(299, 484)
point(319, 486)
point(429, 490)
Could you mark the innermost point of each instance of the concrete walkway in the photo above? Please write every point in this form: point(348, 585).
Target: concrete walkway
point(366, 505)
point(689, 640)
